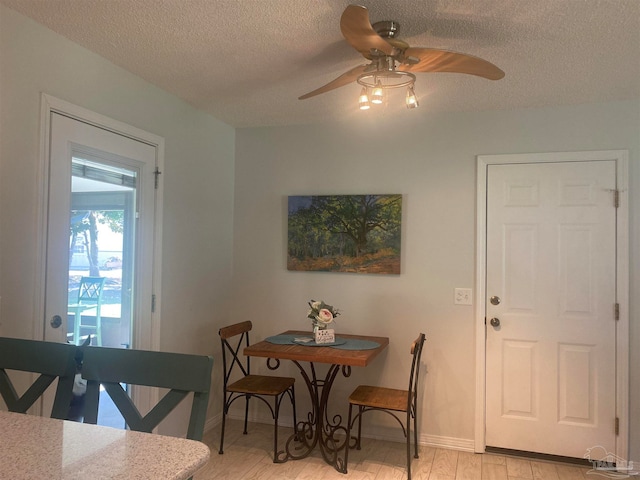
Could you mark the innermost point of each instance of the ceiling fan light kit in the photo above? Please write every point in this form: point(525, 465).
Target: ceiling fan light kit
point(363, 100)
point(378, 81)
point(411, 101)
point(393, 61)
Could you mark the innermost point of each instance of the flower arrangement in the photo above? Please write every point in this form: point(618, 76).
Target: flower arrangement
point(321, 314)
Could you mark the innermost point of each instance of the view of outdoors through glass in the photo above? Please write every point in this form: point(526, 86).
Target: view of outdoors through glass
point(100, 254)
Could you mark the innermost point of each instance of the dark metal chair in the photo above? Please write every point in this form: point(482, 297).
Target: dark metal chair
point(180, 373)
point(390, 401)
point(51, 360)
point(248, 385)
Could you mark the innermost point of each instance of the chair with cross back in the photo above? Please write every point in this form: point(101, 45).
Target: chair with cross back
point(48, 359)
point(89, 300)
point(239, 382)
point(181, 374)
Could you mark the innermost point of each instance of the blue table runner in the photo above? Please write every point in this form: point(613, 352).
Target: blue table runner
point(341, 343)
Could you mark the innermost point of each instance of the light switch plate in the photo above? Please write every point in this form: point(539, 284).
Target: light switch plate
point(463, 296)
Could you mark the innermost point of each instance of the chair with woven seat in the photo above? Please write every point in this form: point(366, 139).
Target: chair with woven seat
point(180, 373)
point(391, 401)
point(248, 386)
point(51, 360)
point(89, 297)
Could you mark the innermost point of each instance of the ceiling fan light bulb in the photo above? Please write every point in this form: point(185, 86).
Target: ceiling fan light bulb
point(376, 94)
point(363, 101)
point(411, 100)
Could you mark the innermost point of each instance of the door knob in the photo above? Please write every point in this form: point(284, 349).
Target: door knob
point(495, 300)
point(56, 321)
point(495, 322)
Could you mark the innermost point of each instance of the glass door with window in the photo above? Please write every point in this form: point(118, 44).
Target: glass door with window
point(100, 241)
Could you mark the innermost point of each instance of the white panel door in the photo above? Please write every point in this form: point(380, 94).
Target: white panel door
point(551, 280)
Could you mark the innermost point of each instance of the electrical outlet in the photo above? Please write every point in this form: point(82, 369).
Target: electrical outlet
point(463, 296)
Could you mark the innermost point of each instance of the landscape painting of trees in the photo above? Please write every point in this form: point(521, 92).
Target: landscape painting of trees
point(345, 233)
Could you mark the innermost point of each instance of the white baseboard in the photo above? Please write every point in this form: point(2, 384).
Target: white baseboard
point(389, 435)
point(462, 444)
point(212, 422)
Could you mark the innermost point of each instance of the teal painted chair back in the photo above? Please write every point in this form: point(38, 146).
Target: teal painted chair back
point(180, 373)
point(89, 297)
point(51, 360)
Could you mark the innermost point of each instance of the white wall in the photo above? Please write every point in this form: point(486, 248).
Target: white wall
point(431, 160)
point(198, 180)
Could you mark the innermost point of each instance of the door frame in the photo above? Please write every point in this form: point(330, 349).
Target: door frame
point(621, 159)
point(148, 337)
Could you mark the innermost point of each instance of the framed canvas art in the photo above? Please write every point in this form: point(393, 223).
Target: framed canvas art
point(345, 233)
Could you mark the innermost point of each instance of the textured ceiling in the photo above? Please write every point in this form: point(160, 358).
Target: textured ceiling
point(247, 61)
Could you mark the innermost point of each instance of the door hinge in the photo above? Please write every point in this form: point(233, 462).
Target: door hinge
point(616, 198)
point(153, 303)
point(157, 173)
point(617, 426)
point(616, 310)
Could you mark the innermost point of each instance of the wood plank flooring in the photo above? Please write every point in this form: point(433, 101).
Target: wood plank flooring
point(249, 457)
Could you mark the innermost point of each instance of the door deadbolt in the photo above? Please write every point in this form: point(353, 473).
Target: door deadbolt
point(495, 322)
point(56, 321)
point(495, 300)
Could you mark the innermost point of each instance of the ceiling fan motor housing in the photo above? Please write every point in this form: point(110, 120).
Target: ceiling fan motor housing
point(387, 28)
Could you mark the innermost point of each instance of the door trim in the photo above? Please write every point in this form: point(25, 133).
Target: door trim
point(48, 105)
point(621, 158)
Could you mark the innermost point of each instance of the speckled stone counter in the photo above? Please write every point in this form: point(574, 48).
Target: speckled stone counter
point(43, 448)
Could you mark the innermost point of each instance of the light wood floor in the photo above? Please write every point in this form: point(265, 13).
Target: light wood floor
point(249, 457)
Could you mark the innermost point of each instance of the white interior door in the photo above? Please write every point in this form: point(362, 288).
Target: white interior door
point(551, 284)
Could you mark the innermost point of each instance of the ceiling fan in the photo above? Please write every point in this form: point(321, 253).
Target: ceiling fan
point(393, 62)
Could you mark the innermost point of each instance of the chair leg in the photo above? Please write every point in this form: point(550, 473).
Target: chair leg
point(415, 434)
point(246, 412)
point(408, 449)
point(98, 327)
point(276, 414)
point(360, 411)
point(224, 418)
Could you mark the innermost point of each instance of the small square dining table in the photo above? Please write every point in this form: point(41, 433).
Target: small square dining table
point(318, 428)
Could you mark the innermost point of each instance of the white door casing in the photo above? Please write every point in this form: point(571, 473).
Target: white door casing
point(563, 351)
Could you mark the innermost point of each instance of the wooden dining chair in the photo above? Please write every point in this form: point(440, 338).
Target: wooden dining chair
point(391, 401)
point(238, 381)
point(181, 374)
point(51, 360)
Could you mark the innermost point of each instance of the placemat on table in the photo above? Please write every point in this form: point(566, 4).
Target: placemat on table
point(283, 339)
point(341, 343)
point(358, 344)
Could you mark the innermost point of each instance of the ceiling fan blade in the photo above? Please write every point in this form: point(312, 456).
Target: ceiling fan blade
point(344, 79)
point(357, 30)
point(434, 60)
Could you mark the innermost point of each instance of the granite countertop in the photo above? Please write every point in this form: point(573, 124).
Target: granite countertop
point(34, 447)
